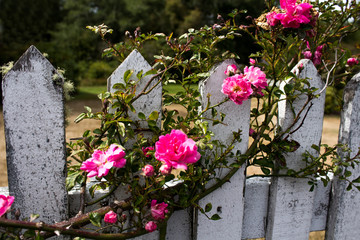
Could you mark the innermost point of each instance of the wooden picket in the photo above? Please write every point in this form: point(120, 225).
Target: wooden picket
point(278, 208)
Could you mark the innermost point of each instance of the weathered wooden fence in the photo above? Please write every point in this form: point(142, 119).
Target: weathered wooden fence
point(278, 208)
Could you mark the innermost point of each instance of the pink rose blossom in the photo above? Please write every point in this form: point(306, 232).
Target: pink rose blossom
point(101, 161)
point(148, 170)
point(271, 20)
point(231, 70)
point(317, 55)
point(5, 203)
point(252, 61)
point(110, 217)
point(237, 88)
point(251, 132)
point(256, 77)
point(295, 14)
point(352, 61)
point(146, 150)
point(165, 169)
point(307, 54)
point(159, 210)
point(150, 226)
point(176, 150)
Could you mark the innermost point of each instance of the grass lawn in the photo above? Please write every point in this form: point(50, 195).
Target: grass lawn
point(91, 92)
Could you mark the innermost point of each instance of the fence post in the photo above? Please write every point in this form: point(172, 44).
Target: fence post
point(145, 104)
point(33, 108)
point(227, 201)
point(345, 205)
point(290, 204)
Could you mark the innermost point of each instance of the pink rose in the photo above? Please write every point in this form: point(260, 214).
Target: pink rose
point(307, 54)
point(317, 55)
point(159, 210)
point(148, 170)
point(5, 203)
point(146, 150)
point(237, 88)
point(176, 149)
point(352, 61)
point(110, 217)
point(256, 77)
point(165, 169)
point(295, 14)
point(252, 61)
point(231, 70)
point(271, 20)
point(101, 162)
point(150, 226)
point(251, 132)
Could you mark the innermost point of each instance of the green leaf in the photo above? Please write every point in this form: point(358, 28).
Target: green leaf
point(139, 75)
point(71, 180)
point(154, 115)
point(357, 180)
point(80, 117)
point(347, 173)
point(95, 219)
point(208, 207)
point(127, 75)
point(141, 116)
point(266, 171)
point(150, 72)
point(121, 128)
point(215, 217)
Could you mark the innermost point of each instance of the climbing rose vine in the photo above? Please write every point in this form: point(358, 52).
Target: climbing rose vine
point(149, 164)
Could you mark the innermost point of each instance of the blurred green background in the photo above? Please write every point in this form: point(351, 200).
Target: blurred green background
point(58, 28)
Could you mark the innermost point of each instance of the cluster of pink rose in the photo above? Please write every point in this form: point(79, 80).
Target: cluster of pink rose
point(292, 14)
point(240, 86)
point(158, 211)
point(5, 203)
point(174, 150)
point(316, 58)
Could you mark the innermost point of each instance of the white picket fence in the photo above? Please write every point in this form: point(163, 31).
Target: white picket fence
point(278, 208)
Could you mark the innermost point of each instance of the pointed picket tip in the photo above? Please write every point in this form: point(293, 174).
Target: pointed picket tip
point(146, 103)
point(33, 108)
point(134, 61)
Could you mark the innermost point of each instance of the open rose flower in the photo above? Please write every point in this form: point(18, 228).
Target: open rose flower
point(256, 77)
point(148, 170)
point(231, 70)
point(176, 150)
point(110, 217)
point(5, 203)
point(102, 161)
point(237, 88)
point(352, 61)
point(158, 210)
point(150, 226)
point(294, 15)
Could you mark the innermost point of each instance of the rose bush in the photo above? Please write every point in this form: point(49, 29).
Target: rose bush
point(171, 167)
